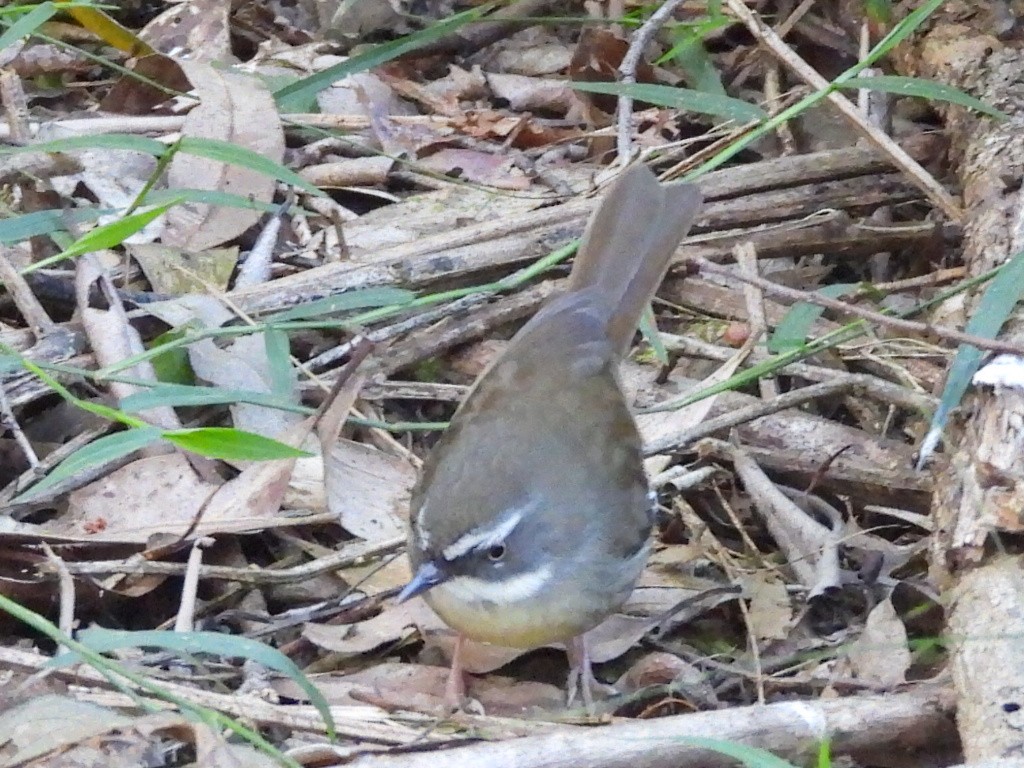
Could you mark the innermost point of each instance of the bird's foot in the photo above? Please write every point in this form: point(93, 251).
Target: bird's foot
point(582, 682)
point(455, 698)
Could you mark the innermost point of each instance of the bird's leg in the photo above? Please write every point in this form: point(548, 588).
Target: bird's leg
point(455, 688)
point(581, 675)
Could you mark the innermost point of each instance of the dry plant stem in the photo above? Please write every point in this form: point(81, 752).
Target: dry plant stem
point(746, 258)
point(920, 177)
point(66, 615)
point(54, 458)
point(908, 326)
point(256, 268)
point(627, 71)
point(12, 96)
point(739, 416)
point(31, 310)
point(882, 390)
point(363, 724)
point(185, 619)
point(407, 325)
point(10, 421)
point(352, 555)
point(977, 500)
point(810, 549)
point(858, 726)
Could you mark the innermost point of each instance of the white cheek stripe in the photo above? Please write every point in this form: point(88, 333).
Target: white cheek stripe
point(524, 586)
point(483, 537)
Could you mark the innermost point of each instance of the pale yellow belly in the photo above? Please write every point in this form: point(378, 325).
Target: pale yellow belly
point(516, 624)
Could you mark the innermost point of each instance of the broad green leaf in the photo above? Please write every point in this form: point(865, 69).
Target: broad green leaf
point(363, 298)
point(213, 643)
point(231, 444)
point(996, 304)
point(122, 141)
point(105, 236)
point(226, 152)
point(680, 98)
point(185, 396)
point(27, 24)
point(300, 96)
point(96, 453)
point(925, 89)
point(794, 328)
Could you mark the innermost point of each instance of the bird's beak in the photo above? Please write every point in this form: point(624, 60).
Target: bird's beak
point(428, 575)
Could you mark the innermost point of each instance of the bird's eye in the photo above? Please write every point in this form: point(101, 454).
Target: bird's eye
point(497, 552)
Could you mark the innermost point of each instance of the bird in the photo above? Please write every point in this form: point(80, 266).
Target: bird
point(531, 521)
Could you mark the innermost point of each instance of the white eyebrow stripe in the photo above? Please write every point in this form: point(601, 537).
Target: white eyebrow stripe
point(483, 537)
point(420, 529)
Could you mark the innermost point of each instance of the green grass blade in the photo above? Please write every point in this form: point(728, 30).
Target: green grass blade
point(121, 141)
point(231, 444)
point(925, 89)
point(995, 306)
point(226, 152)
point(106, 236)
point(187, 396)
point(680, 98)
point(212, 643)
point(363, 298)
point(98, 452)
point(27, 24)
point(794, 328)
point(300, 96)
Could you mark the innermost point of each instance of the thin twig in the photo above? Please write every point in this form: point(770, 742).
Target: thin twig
point(918, 175)
point(627, 72)
point(9, 420)
point(889, 321)
point(355, 554)
point(744, 415)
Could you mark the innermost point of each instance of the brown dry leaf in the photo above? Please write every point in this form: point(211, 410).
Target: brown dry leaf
point(133, 501)
point(115, 178)
point(420, 688)
point(174, 272)
point(881, 654)
point(238, 109)
point(658, 668)
point(771, 612)
point(52, 723)
point(368, 489)
point(533, 94)
point(114, 339)
point(390, 626)
point(134, 96)
point(197, 29)
point(244, 364)
point(494, 170)
point(535, 52)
